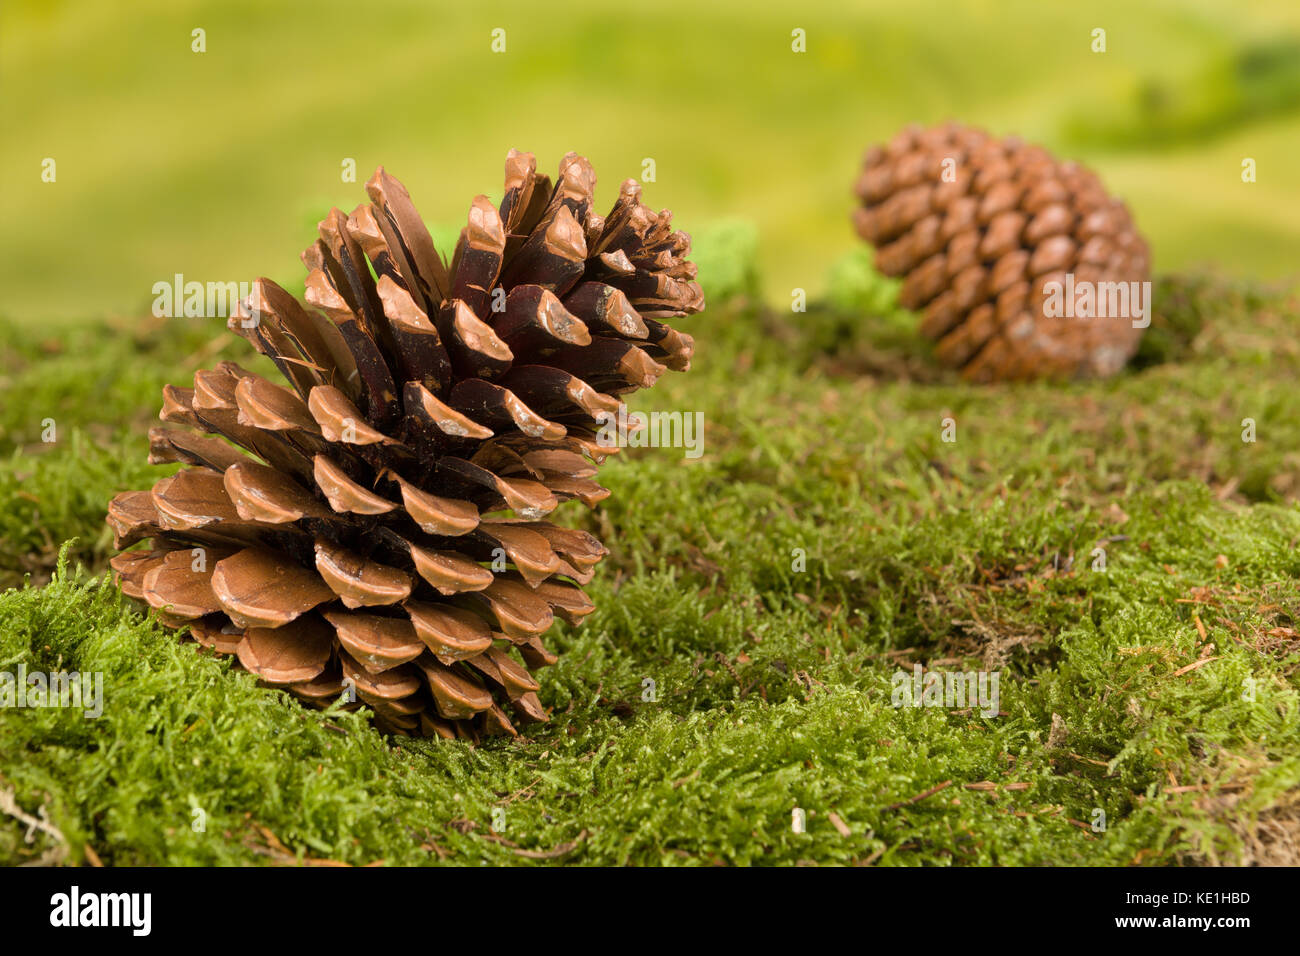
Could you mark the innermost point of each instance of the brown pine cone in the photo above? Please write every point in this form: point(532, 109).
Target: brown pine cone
point(979, 246)
point(378, 525)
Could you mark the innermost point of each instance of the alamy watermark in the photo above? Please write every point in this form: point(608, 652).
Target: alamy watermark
point(83, 692)
point(953, 690)
point(624, 429)
point(204, 300)
point(130, 910)
point(1084, 299)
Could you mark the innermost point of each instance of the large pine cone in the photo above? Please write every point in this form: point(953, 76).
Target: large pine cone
point(343, 537)
point(978, 246)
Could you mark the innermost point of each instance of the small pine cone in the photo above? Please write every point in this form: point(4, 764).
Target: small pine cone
point(379, 524)
point(978, 227)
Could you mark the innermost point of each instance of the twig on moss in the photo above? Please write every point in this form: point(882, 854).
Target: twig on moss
point(41, 822)
point(920, 796)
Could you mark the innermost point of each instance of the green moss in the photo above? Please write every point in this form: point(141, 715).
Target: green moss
point(770, 590)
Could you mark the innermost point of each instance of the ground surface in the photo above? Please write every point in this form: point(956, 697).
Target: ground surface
point(1163, 691)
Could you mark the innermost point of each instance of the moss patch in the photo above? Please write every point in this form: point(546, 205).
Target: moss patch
point(754, 610)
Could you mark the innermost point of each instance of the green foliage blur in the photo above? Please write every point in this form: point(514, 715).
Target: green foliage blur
point(217, 164)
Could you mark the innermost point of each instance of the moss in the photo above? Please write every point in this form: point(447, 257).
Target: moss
point(770, 590)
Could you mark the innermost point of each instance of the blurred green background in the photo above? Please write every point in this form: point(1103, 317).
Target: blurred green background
point(216, 165)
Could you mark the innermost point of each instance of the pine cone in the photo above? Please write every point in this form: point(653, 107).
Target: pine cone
point(342, 533)
point(978, 247)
